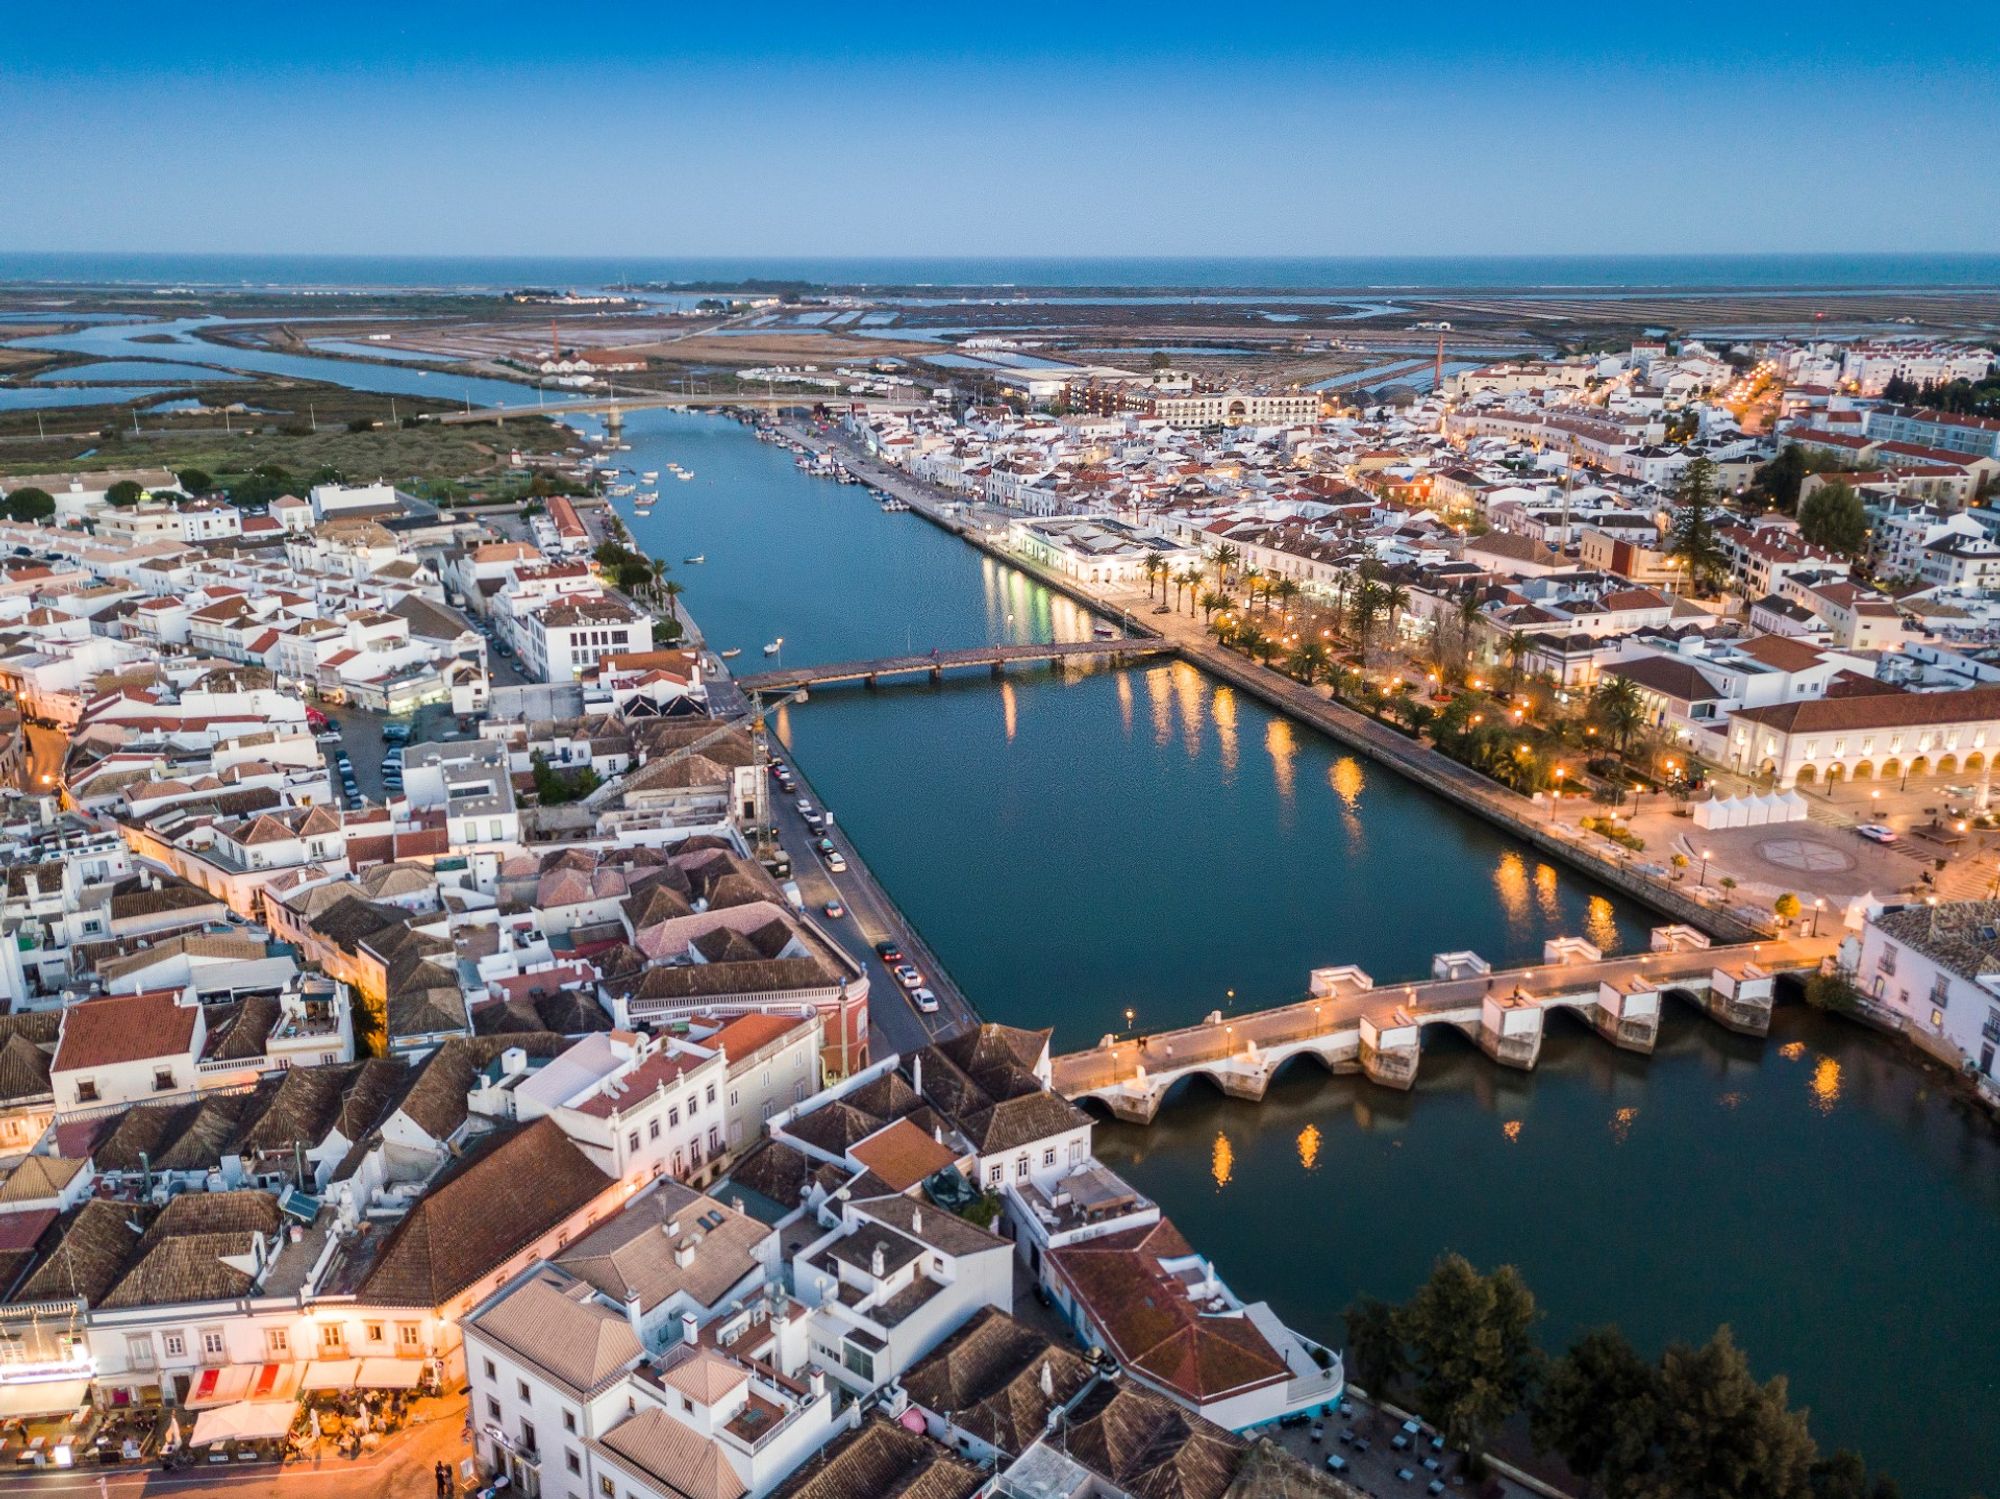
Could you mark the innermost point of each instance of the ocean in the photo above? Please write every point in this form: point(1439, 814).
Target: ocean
point(1359, 274)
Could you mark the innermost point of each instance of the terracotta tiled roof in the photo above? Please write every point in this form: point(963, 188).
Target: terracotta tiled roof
point(990, 1374)
point(125, 1028)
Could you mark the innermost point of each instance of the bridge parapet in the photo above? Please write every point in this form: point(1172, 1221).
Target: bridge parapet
point(1340, 982)
point(1459, 965)
point(1678, 938)
point(1560, 951)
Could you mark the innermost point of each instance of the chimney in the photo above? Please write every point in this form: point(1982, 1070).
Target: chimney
point(690, 1334)
point(878, 1263)
point(736, 1203)
point(816, 1382)
point(1048, 1381)
point(632, 1316)
point(916, 1220)
point(917, 1074)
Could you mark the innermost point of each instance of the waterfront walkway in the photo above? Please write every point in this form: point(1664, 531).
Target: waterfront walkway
point(936, 663)
point(1350, 1025)
point(614, 407)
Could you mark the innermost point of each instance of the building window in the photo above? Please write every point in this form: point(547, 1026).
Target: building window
point(492, 1408)
point(1887, 962)
point(569, 1421)
point(673, 1118)
point(1937, 1020)
point(1940, 989)
point(372, 1331)
point(607, 1488)
point(139, 1350)
point(711, 1093)
point(572, 1462)
point(174, 1343)
point(211, 1342)
point(1049, 1156)
point(1021, 1169)
point(277, 1342)
point(86, 1092)
point(521, 1385)
point(410, 1335)
point(163, 1079)
point(733, 1096)
point(994, 1173)
point(332, 1335)
point(632, 1141)
point(653, 1129)
point(491, 1373)
point(528, 1436)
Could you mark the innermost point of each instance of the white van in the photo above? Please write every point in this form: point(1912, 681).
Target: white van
point(793, 897)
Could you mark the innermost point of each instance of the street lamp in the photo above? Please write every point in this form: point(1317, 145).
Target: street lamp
point(1560, 773)
point(1706, 855)
point(1819, 905)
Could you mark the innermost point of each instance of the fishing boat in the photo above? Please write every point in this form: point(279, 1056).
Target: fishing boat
point(684, 475)
point(698, 558)
point(775, 646)
point(651, 476)
point(732, 653)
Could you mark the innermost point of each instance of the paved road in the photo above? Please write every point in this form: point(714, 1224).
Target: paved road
point(893, 1019)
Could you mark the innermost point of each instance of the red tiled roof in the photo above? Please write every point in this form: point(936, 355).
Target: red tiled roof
point(124, 1028)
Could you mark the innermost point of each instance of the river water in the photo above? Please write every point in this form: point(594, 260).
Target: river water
point(1146, 839)
point(1072, 847)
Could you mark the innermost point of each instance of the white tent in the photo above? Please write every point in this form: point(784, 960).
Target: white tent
point(246, 1421)
point(1739, 812)
point(1757, 810)
point(1708, 813)
point(1795, 807)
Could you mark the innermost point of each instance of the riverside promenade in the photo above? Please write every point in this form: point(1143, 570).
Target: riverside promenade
point(1349, 1024)
point(1518, 815)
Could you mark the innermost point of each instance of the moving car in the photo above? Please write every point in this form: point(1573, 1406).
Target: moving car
point(835, 909)
point(1874, 832)
point(907, 976)
point(836, 863)
point(888, 952)
point(927, 1001)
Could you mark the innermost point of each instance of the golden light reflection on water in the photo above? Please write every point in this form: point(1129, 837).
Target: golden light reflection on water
point(1309, 1146)
point(1601, 925)
point(1348, 781)
point(1188, 693)
point(1548, 891)
point(1825, 1084)
point(1159, 689)
point(1223, 706)
point(1621, 1124)
point(1222, 1160)
point(1512, 1130)
point(1125, 701)
point(1009, 709)
point(781, 725)
point(1283, 749)
point(1731, 1100)
point(1791, 1051)
point(1510, 884)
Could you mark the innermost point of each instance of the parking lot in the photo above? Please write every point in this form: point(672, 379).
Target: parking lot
point(1376, 1450)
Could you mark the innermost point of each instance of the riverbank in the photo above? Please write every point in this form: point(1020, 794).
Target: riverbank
point(1426, 767)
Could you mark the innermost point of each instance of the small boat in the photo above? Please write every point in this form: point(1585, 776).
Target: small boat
point(1104, 632)
point(651, 476)
point(698, 558)
point(775, 646)
point(684, 475)
point(732, 653)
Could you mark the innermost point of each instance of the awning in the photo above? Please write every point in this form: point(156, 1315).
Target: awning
point(46, 1397)
point(390, 1373)
point(219, 1384)
point(274, 1382)
point(245, 1421)
point(332, 1374)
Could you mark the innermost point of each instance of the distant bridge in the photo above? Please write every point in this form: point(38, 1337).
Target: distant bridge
point(1349, 1025)
point(615, 407)
point(937, 663)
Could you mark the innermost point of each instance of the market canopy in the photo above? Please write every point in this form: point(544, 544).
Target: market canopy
point(390, 1373)
point(246, 1421)
point(43, 1397)
point(332, 1374)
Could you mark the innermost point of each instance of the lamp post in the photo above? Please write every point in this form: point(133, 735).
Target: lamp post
point(1819, 905)
point(1706, 855)
point(1129, 1016)
point(1557, 796)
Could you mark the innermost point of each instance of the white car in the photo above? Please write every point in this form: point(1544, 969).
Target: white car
point(804, 806)
point(908, 977)
point(927, 1001)
point(1874, 832)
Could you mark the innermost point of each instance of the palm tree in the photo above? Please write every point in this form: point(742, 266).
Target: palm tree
point(1517, 647)
point(1264, 647)
point(669, 591)
point(1156, 565)
point(1617, 705)
point(1213, 600)
point(1308, 660)
point(1468, 620)
point(614, 528)
point(1395, 599)
point(1226, 557)
point(1366, 609)
point(1286, 590)
point(1192, 577)
point(657, 566)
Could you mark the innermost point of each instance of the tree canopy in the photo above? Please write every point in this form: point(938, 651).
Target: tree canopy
point(1832, 517)
point(125, 492)
point(1692, 536)
point(29, 503)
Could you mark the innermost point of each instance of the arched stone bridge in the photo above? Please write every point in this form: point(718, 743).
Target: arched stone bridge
point(1351, 1025)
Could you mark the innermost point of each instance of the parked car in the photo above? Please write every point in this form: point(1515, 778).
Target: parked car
point(1335, 1463)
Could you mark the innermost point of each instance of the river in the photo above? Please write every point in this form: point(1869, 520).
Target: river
point(1147, 839)
point(1072, 847)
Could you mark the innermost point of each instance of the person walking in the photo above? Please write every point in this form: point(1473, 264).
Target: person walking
point(442, 1473)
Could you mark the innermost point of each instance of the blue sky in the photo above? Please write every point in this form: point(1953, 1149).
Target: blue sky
point(849, 129)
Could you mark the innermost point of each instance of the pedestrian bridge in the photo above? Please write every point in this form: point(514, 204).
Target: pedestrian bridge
point(1350, 1025)
point(936, 663)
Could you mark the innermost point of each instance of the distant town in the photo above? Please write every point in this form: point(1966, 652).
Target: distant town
point(445, 1036)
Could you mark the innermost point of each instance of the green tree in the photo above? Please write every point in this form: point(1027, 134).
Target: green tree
point(1832, 517)
point(29, 503)
point(196, 480)
point(1599, 1406)
point(555, 787)
point(1308, 661)
point(1375, 1349)
point(1156, 566)
point(1618, 708)
point(1692, 536)
point(1212, 601)
point(1787, 907)
point(1845, 1476)
point(1723, 1435)
point(125, 492)
point(1226, 557)
point(1472, 1355)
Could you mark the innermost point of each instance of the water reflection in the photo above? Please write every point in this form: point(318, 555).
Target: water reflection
point(1283, 747)
point(1348, 781)
point(1548, 891)
point(1512, 1130)
point(1825, 1084)
point(1510, 884)
point(1221, 1160)
point(1159, 688)
point(1621, 1123)
point(1188, 694)
point(1009, 710)
point(1224, 708)
point(1125, 701)
point(1309, 1146)
point(1601, 925)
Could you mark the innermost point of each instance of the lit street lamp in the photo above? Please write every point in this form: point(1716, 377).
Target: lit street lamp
point(1706, 855)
